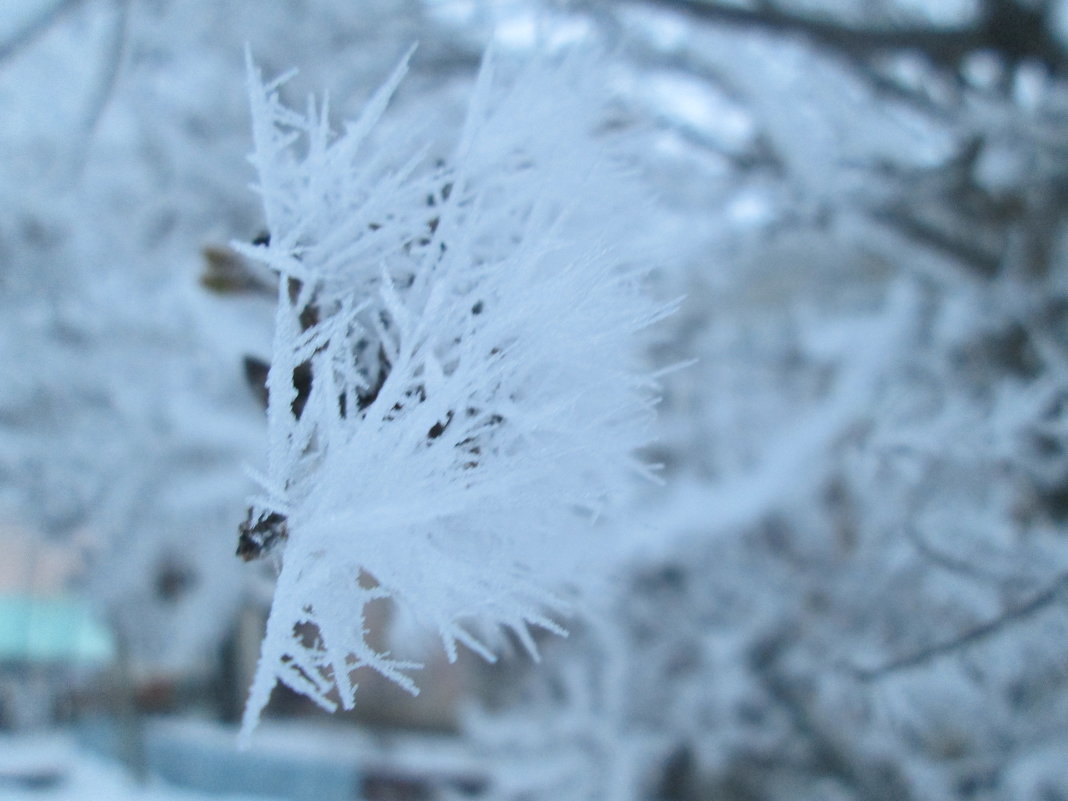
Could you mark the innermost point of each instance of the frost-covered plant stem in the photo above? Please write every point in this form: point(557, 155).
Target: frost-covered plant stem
point(455, 393)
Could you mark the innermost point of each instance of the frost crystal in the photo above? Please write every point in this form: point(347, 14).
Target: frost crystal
point(454, 392)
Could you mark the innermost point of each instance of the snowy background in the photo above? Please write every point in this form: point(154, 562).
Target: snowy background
point(852, 583)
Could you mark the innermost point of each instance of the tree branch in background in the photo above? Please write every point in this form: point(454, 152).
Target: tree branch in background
point(973, 636)
point(961, 567)
point(1011, 30)
point(35, 28)
point(109, 73)
point(979, 259)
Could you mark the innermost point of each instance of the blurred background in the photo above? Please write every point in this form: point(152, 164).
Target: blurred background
point(852, 586)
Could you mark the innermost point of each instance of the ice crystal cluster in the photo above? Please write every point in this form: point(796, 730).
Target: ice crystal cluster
point(455, 392)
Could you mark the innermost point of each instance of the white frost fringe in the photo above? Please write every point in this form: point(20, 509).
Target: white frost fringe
point(497, 291)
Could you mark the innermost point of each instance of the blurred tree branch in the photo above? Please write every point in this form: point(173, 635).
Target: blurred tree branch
point(35, 28)
point(1010, 29)
point(110, 68)
point(1041, 600)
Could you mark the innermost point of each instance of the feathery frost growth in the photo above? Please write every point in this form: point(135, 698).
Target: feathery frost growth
point(455, 393)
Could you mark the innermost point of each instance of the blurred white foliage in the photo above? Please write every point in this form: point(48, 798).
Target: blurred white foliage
point(476, 400)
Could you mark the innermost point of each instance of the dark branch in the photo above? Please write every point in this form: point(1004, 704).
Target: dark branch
point(35, 28)
point(961, 567)
point(1015, 32)
point(980, 259)
point(973, 636)
point(109, 74)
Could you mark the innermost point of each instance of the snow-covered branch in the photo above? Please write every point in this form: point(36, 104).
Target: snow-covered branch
point(454, 394)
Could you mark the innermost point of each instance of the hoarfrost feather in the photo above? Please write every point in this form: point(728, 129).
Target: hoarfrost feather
point(475, 400)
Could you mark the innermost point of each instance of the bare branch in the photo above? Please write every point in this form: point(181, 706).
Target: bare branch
point(972, 636)
point(35, 28)
point(109, 73)
point(980, 259)
point(961, 567)
point(943, 45)
point(1015, 32)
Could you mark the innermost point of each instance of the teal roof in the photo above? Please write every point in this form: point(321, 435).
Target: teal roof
point(59, 629)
